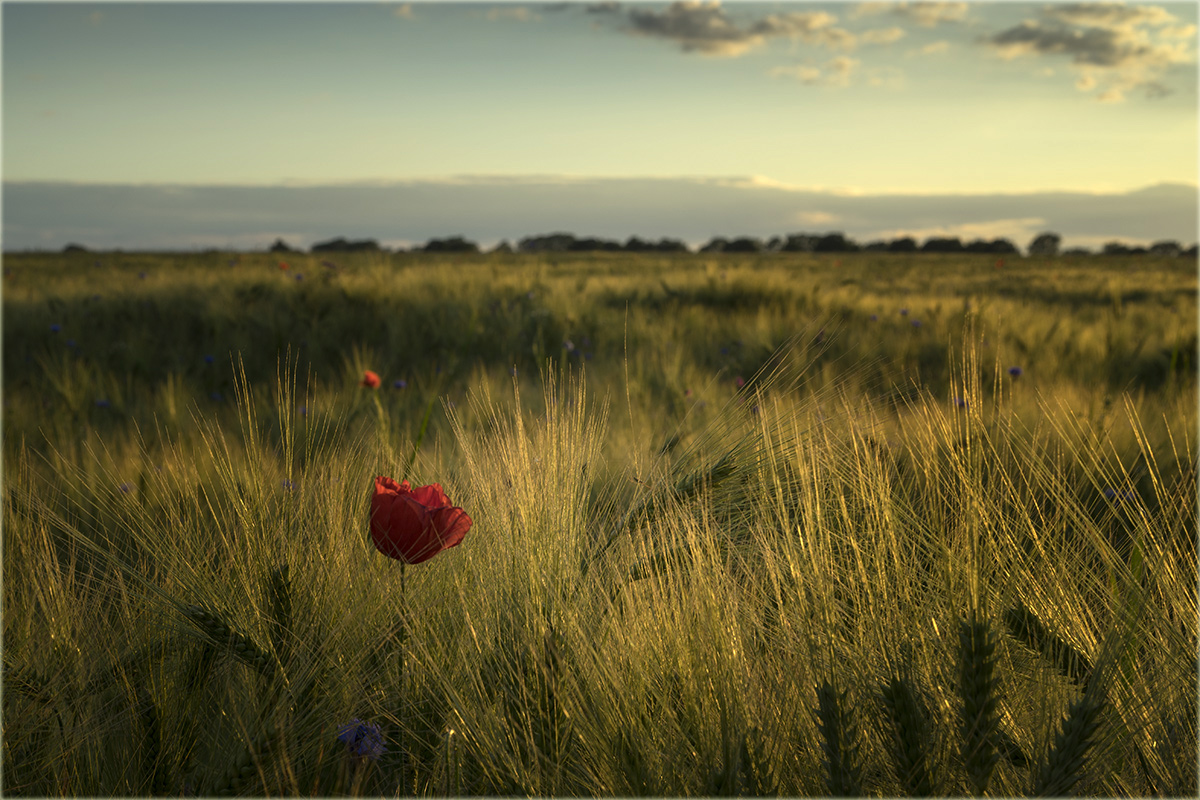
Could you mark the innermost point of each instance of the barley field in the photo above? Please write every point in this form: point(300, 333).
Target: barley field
point(774, 524)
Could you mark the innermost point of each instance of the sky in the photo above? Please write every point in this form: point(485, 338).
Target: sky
point(172, 125)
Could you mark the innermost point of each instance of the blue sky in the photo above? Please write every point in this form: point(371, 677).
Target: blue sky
point(776, 102)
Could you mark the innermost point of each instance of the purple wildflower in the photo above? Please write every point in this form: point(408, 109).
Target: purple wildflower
point(1016, 372)
point(362, 740)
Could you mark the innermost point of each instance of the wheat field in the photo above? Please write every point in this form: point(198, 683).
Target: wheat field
point(778, 524)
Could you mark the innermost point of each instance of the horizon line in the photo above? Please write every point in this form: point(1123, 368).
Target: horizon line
point(751, 182)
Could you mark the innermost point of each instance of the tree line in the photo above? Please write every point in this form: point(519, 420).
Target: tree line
point(1046, 244)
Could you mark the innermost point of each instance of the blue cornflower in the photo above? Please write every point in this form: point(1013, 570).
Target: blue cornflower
point(102, 404)
point(125, 488)
point(216, 396)
point(916, 323)
point(55, 328)
point(960, 402)
point(904, 312)
point(304, 411)
point(288, 484)
point(209, 359)
point(1016, 372)
point(399, 383)
point(299, 276)
point(362, 740)
point(873, 317)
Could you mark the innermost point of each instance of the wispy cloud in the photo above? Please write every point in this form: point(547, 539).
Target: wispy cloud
point(1112, 47)
point(933, 48)
point(705, 27)
point(928, 15)
point(515, 13)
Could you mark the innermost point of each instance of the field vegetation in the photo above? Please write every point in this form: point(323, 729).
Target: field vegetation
point(764, 524)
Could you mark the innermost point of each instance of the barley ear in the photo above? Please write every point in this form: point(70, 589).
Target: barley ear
point(979, 686)
point(911, 735)
point(279, 601)
point(1029, 630)
point(238, 775)
point(221, 634)
point(840, 744)
point(1064, 765)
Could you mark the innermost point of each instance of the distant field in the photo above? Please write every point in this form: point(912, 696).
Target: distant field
point(729, 514)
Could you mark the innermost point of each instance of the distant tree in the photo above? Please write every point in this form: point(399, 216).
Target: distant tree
point(715, 245)
point(1077, 251)
point(75, 248)
point(1169, 248)
point(281, 246)
point(1045, 245)
point(904, 245)
point(775, 244)
point(942, 245)
point(877, 246)
point(671, 246)
point(455, 244)
point(546, 243)
point(1191, 252)
point(636, 244)
point(1003, 247)
point(341, 245)
point(591, 244)
point(1115, 249)
point(745, 244)
point(835, 243)
point(502, 248)
point(800, 243)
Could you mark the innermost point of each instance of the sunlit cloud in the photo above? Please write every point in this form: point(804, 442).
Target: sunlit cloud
point(404, 11)
point(515, 13)
point(882, 35)
point(933, 48)
point(816, 218)
point(1020, 231)
point(1114, 47)
point(704, 27)
point(927, 15)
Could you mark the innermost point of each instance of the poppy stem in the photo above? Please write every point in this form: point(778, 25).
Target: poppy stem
point(402, 636)
point(417, 444)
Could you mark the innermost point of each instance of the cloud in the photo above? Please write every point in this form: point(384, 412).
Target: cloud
point(49, 215)
point(840, 72)
point(1115, 48)
point(816, 218)
point(882, 35)
point(704, 27)
point(404, 11)
point(1020, 230)
point(934, 47)
point(516, 13)
point(836, 72)
point(608, 7)
point(928, 15)
point(1113, 16)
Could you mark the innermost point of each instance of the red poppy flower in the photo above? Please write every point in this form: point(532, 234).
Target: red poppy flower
point(413, 525)
point(370, 380)
point(283, 265)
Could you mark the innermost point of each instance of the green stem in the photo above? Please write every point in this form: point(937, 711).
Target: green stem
point(420, 437)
